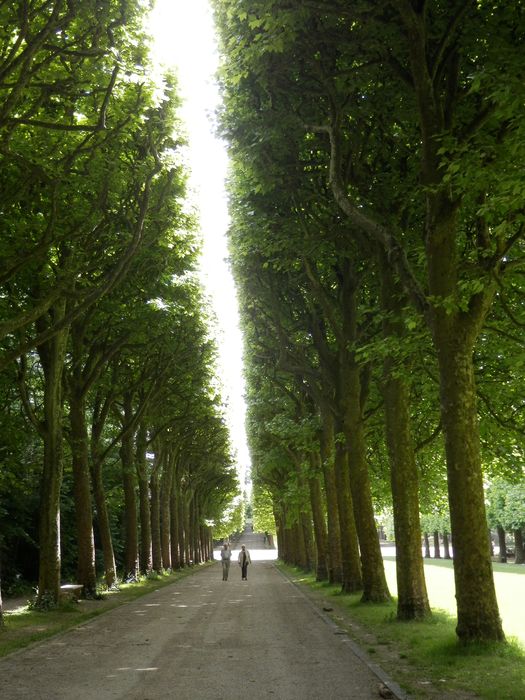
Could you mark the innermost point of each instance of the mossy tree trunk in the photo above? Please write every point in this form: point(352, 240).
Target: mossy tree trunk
point(154, 487)
point(100, 410)
point(351, 396)
point(129, 479)
point(174, 530)
point(502, 544)
point(326, 443)
point(455, 323)
point(446, 546)
point(478, 615)
point(86, 573)
point(412, 597)
point(437, 545)
point(350, 562)
point(319, 522)
point(166, 488)
point(518, 546)
point(141, 464)
point(52, 357)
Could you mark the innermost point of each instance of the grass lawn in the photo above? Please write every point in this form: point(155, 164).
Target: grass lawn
point(425, 657)
point(510, 590)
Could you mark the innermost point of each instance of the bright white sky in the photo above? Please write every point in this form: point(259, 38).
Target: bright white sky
point(184, 38)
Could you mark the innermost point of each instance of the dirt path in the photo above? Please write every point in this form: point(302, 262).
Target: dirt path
point(200, 639)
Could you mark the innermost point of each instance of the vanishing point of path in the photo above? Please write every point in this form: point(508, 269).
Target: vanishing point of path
point(199, 639)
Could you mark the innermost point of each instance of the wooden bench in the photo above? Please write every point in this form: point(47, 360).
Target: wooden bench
point(71, 591)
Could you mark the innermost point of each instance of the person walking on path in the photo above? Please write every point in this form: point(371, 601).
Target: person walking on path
point(244, 560)
point(226, 555)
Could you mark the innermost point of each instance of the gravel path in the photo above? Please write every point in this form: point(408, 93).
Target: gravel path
point(199, 639)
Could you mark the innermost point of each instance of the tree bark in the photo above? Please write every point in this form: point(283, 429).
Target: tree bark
point(350, 562)
point(131, 554)
point(154, 486)
point(144, 499)
point(326, 446)
point(166, 487)
point(502, 545)
point(320, 534)
point(446, 546)
point(1, 603)
point(103, 524)
point(174, 530)
point(427, 545)
point(100, 410)
point(455, 330)
point(437, 548)
point(375, 588)
point(86, 573)
point(519, 553)
point(279, 530)
point(478, 615)
point(52, 357)
point(412, 598)
point(184, 529)
point(300, 541)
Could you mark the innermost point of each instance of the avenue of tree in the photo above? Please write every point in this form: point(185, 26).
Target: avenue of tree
point(377, 197)
point(115, 456)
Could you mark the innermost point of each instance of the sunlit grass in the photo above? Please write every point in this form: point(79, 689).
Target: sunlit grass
point(420, 654)
point(508, 578)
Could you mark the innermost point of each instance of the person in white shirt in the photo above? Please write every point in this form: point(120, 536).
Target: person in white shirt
point(244, 560)
point(226, 555)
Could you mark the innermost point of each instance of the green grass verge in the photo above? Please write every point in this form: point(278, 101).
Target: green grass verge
point(25, 626)
point(423, 657)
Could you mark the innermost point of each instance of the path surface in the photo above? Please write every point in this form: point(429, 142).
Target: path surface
point(199, 639)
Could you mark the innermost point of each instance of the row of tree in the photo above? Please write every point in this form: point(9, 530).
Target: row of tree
point(111, 413)
point(377, 203)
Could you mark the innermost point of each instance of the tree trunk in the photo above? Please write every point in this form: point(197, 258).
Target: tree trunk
point(502, 545)
point(518, 546)
point(300, 542)
point(320, 535)
point(99, 411)
point(446, 546)
point(412, 598)
point(52, 357)
point(279, 530)
point(86, 573)
point(195, 555)
point(131, 564)
point(478, 615)
point(156, 546)
point(144, 504)
point(375, 588)
point(103, 524)
point(184, 530)
point(437, 548)
point(427, 545)
point(175, 551)
point(166, 481)
point(1, 603)
point(326, 443)
point(350, 562)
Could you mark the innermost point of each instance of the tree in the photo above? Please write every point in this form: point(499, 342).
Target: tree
point(404, 99)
